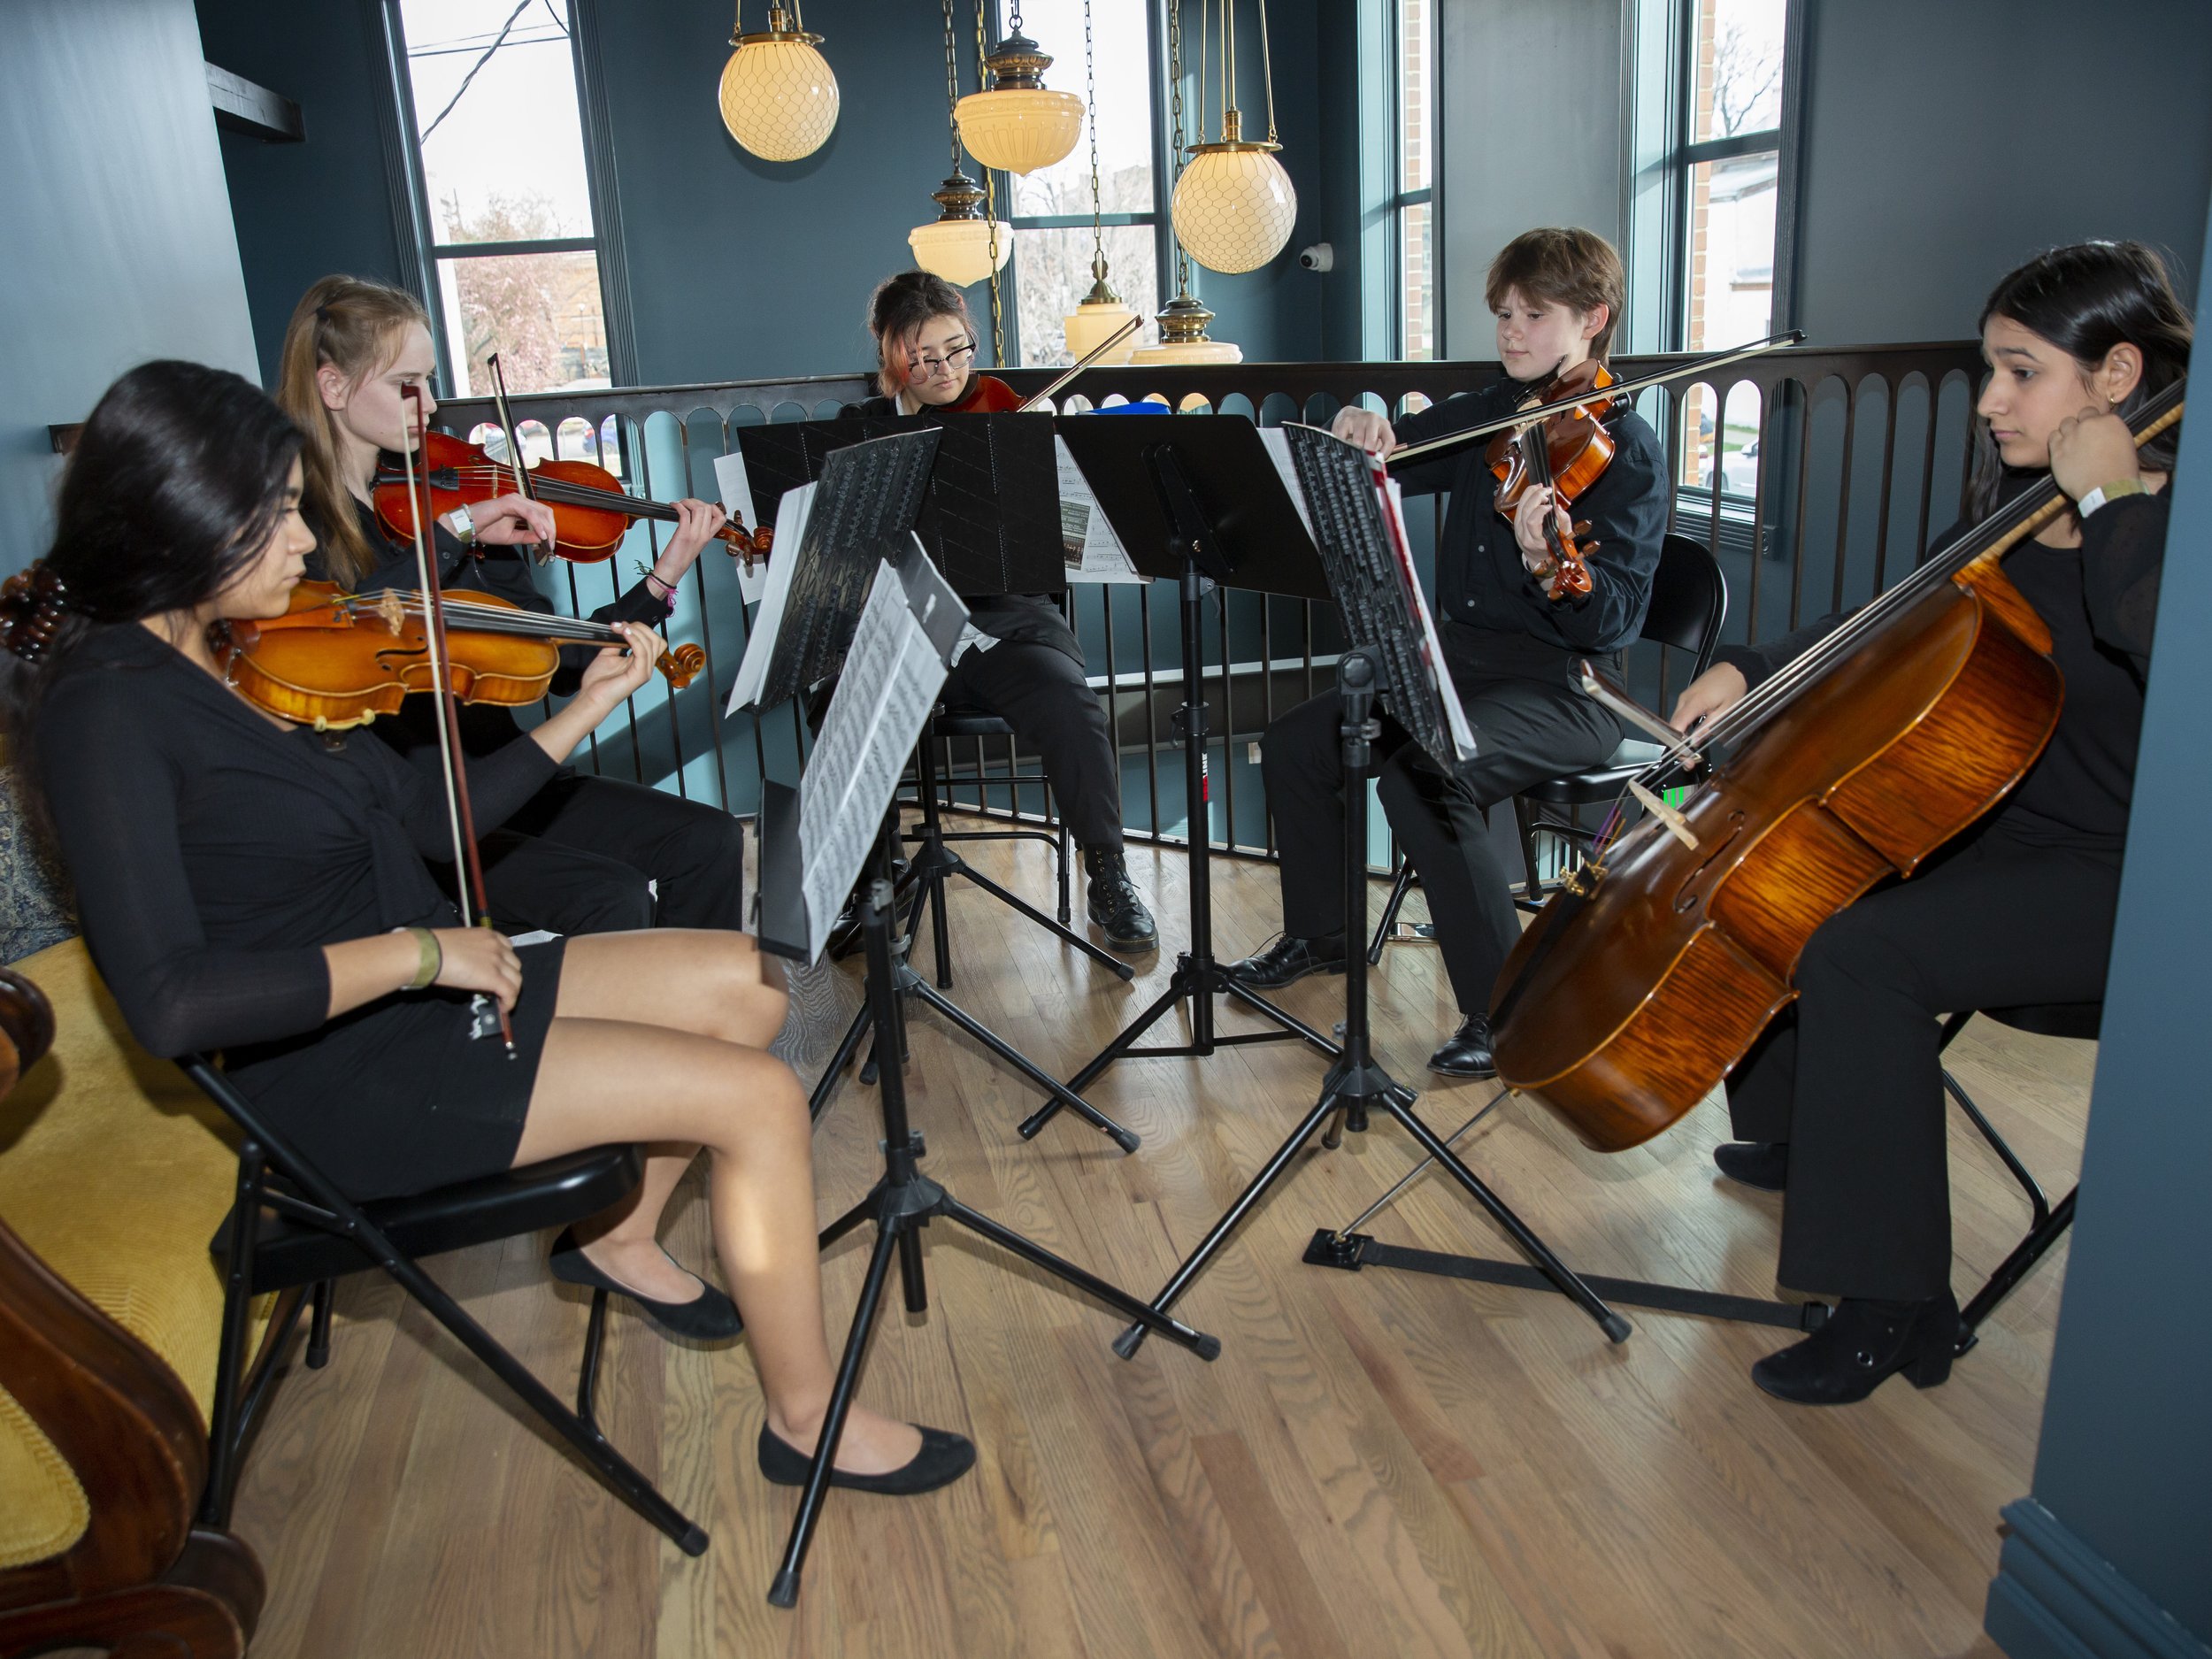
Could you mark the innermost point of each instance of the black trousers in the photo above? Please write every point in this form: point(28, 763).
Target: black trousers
point(1525, 730)
point(1850, 1076)
point(580, 855)
point(1041, 692)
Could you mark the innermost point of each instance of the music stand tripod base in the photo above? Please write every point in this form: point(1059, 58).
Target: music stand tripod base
point(901, 1204)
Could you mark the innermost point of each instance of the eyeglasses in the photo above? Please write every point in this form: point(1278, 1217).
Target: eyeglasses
point(930, 368)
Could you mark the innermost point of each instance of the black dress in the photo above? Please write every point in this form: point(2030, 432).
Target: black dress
point(585, 854)
point(214, 855)
point(2018, 910)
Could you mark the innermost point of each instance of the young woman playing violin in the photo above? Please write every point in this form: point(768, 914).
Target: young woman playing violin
point(258, 886)
point(1511, 646)
point(1017, 659)
point(585, 854)
point(1842, 1102)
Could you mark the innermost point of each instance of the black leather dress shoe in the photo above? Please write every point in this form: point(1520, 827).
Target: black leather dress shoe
point(1288, 960)
point(708, 1317)
point(1113, 904)
point(1468, 1053)
point(1863, 1342)
point(1764, 1164)
point(943, 1459)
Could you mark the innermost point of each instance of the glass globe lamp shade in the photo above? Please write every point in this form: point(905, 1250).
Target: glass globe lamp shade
point(1097, 320)
point(1020, 131)
point(779, 97)
point(959, 249)
point(1234, 206)
point(1017, 126)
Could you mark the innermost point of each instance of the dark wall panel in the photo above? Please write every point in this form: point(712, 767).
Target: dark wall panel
point(119, 242)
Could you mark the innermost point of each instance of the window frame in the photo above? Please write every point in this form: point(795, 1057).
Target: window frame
point(1160, 215)
point(421, 253)
point(1430, 196)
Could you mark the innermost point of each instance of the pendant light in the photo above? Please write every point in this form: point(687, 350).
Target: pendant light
point(779, 97)
point(1017, 126)
point(1234, 205)
point(962, 245)
point(1101, 313)
point(1182, 319)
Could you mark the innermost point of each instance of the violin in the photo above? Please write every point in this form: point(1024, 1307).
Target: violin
point(336, 659)
point(1566, 451)
point(591, 511)
point(984, 394)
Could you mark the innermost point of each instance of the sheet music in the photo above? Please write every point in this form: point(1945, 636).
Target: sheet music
point(736, 490)
point(1275, 441)
point(760, 645)
point(1432, 647)
point(893, 674)
point(1094, 553)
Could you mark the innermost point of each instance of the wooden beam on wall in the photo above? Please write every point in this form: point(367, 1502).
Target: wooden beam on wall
point(242, 107)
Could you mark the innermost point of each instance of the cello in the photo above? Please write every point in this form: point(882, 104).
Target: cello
point(1650, 974)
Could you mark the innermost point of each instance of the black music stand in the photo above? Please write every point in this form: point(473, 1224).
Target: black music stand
point(1194, 498)
point(905, 1200)
point(868, 494)
point(1392, 656)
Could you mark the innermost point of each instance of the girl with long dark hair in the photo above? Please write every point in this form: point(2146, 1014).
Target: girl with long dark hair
point(1840, 1103)
point(1017, 659)
point(257, 887)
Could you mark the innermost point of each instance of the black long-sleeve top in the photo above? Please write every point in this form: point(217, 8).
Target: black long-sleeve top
point(1493, 613)
point(2099, 601)
point(503, 572)
point(214, 853)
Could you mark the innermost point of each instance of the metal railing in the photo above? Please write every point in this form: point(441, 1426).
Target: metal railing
point(1815, 477)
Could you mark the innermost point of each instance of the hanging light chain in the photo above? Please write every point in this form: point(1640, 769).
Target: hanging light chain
point(990, 199)
point(952, 88)
point(1267, 73)
point(1090, 119)
point(1175, 106)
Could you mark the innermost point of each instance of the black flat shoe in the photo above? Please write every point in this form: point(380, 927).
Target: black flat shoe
point(943, 1459)
point(1468, 1053)
point(1863, 1341)
point(1113, 904)
point(708, 1317)
point(1764, 1164)
point(1289, 960)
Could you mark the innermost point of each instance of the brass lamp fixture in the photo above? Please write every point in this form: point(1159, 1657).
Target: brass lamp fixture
point(1102, 314)
point(779, 97)
point(1234, 205)
point(1182, 319)
point(964, 244)
point(1017, 125)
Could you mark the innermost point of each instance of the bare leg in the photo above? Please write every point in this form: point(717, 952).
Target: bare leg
point(601, 1080)
point(707, 983)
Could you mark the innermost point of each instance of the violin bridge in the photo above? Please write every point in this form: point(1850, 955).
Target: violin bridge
point(390, 608)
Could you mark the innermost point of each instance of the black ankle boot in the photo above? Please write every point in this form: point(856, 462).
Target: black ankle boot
point(1289, 960)
point(1764, 1164)
point(1863, 1342)
point(1114, 905)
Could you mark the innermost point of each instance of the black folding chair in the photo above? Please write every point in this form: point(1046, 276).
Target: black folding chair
point(291, 1228)
point(1689, 600)
point(2047, 1222)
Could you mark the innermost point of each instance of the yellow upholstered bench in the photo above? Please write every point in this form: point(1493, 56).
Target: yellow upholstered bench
point(115, 1172)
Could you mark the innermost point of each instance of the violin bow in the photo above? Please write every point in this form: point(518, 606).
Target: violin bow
point(468, 867)
point(507, 425)
point(1082, 363)
point(1619, 388)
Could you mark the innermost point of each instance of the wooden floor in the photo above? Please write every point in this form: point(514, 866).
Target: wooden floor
point(1379, 1463)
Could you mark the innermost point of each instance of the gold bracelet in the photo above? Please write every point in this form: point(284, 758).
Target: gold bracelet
point(432, 960)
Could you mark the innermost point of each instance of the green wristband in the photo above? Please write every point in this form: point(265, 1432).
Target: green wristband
point(433, 961)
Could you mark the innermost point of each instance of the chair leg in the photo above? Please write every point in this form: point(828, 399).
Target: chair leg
point(1523, 820)
point(588, 1377)
point(2015, 1268)
point(1399, 889)
point(230, 1364)
point(2038, 1202)
point(318, 1327)
point(1067, 850)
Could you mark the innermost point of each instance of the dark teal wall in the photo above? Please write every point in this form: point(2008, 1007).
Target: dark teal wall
point(741, 268)
point(2116, 1548)
point(304, 210)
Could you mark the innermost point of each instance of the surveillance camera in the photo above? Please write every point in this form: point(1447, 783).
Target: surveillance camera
point(1320, 257)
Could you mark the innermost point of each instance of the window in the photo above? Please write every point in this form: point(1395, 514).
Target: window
point(1413, 133)
point(1049, 210)
point(499, 138)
